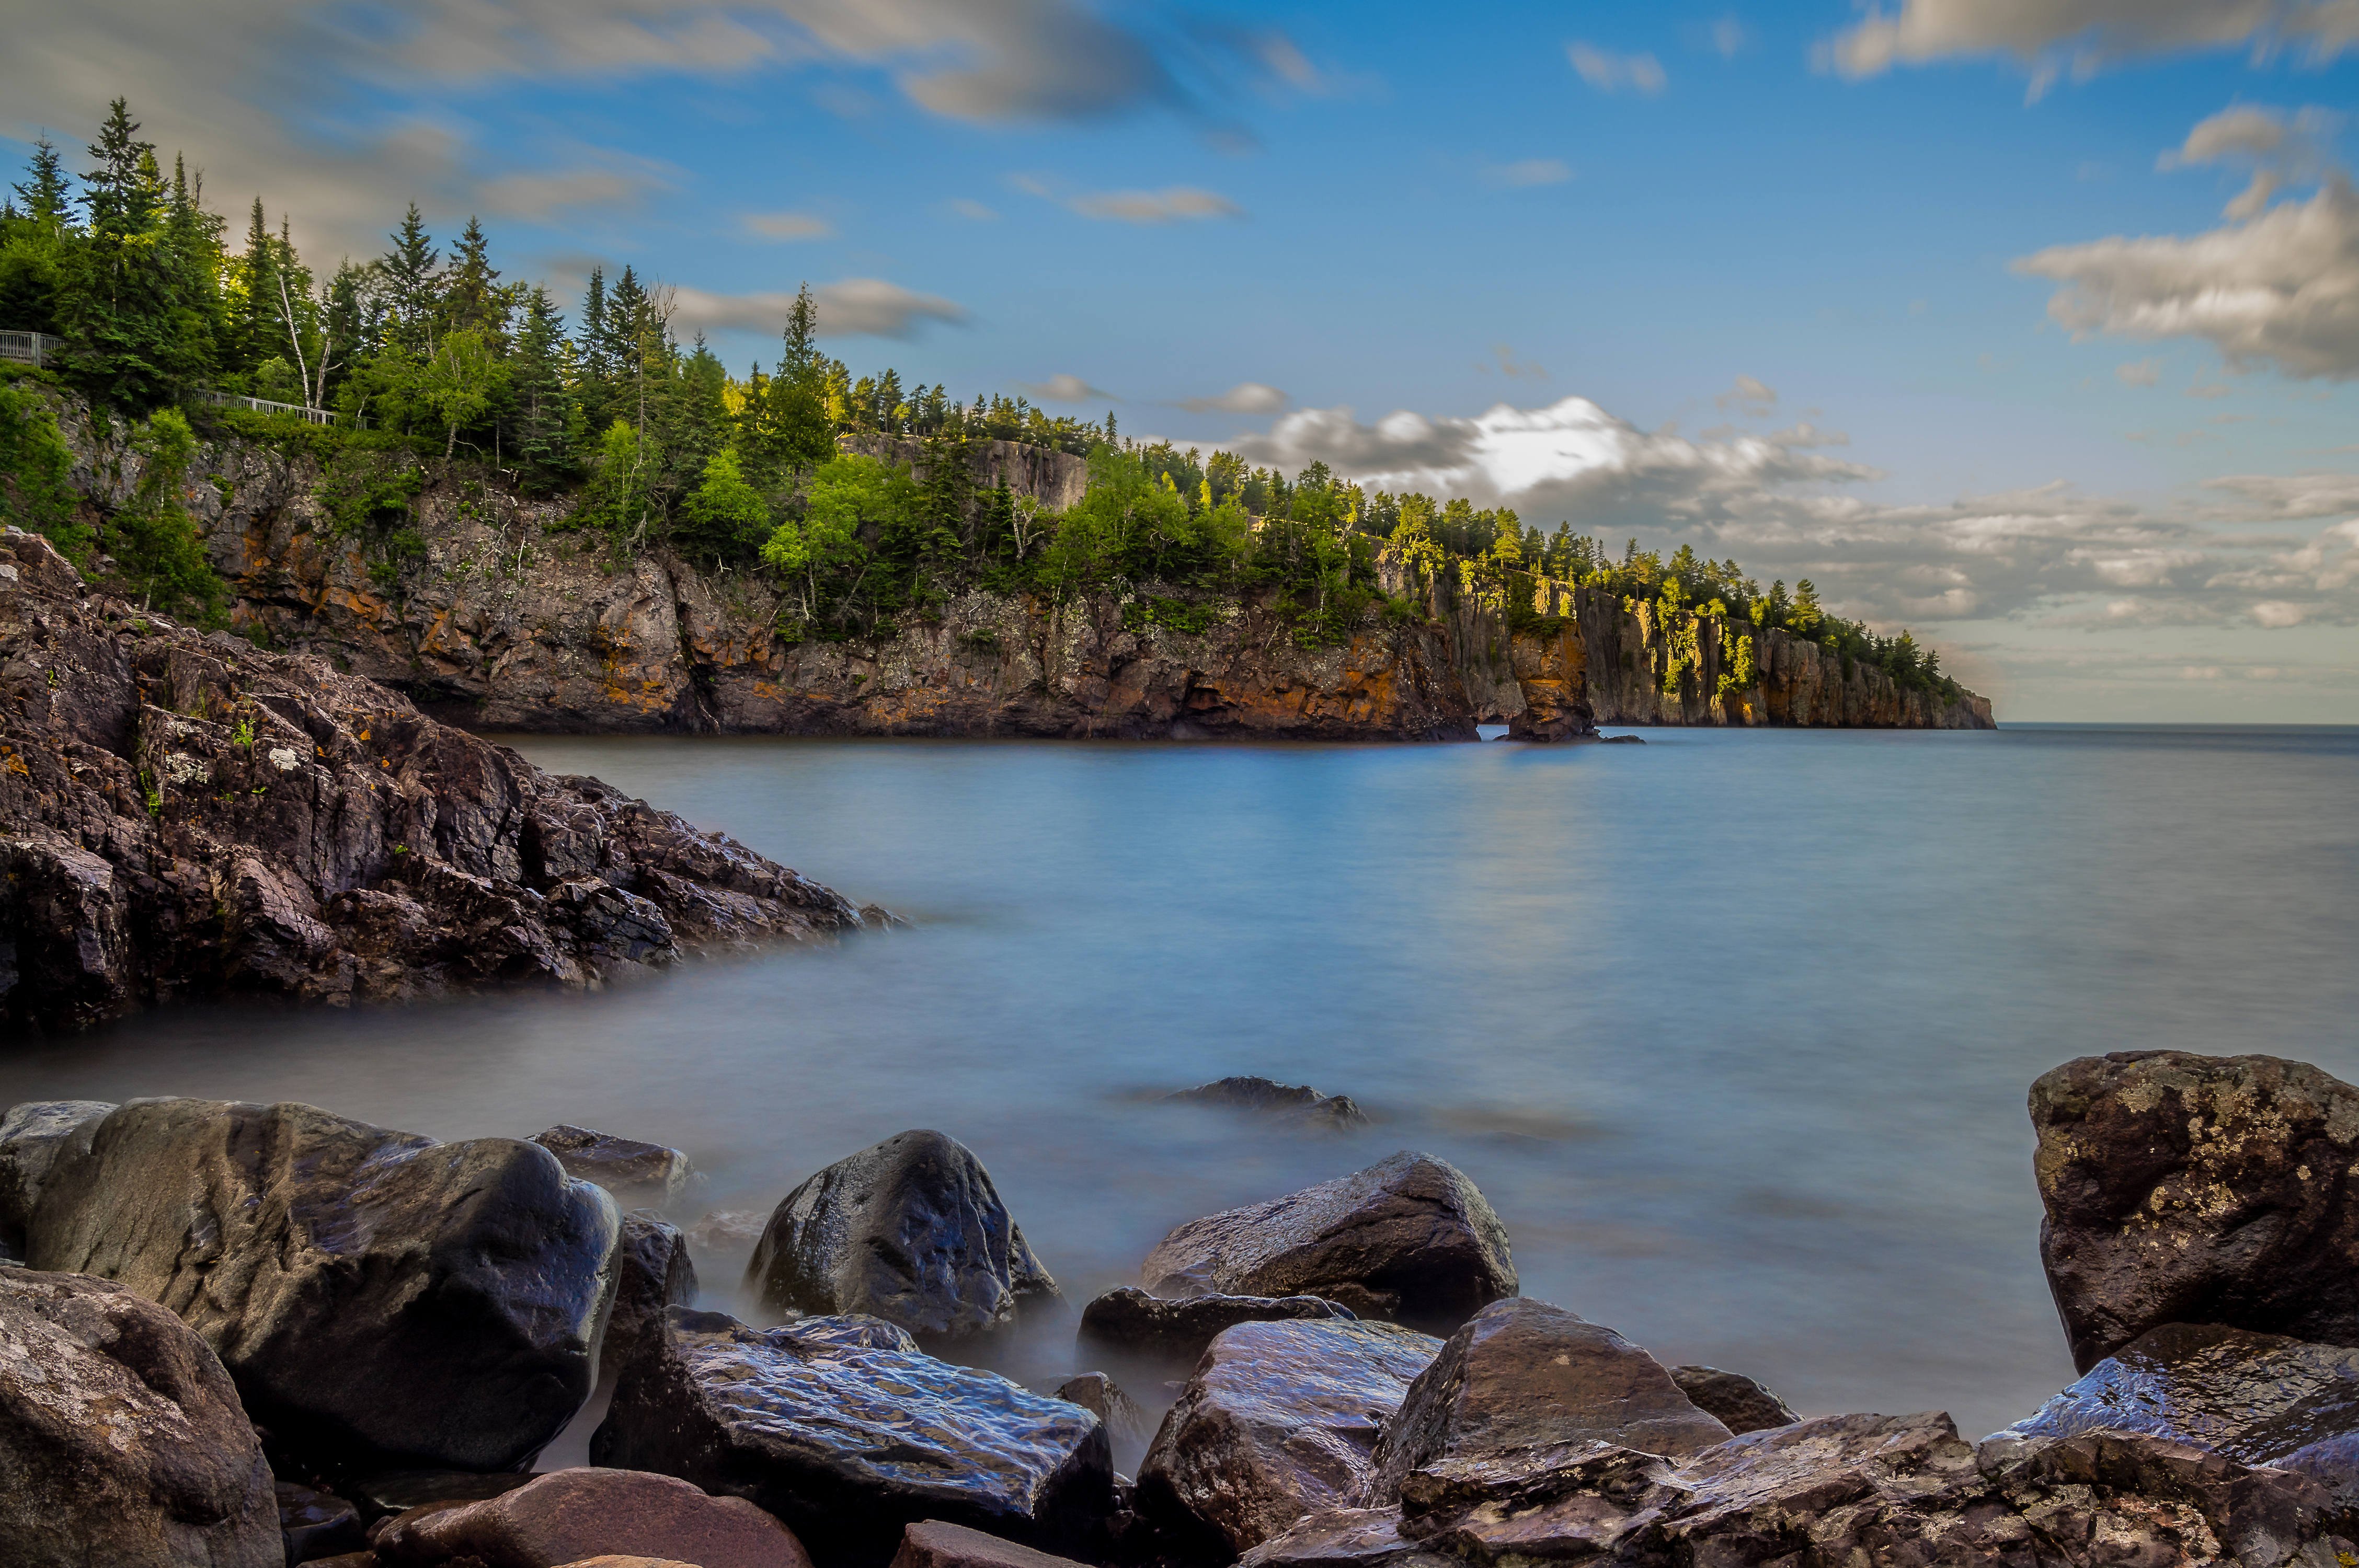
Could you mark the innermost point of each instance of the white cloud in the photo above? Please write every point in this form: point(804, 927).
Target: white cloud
point(1246, 397)
point(974, 211)
point(1610, 73)
point(1172, 204)
point(1754, 396)
point(2278, 614)
point(1066, 389)
point(2051, 37)
point(2138, 373)
point(856, 307)
point(789, 226)
point(1529, 171)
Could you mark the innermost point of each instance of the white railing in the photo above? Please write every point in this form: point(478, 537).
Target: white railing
point(29, 348)
point(264, 405)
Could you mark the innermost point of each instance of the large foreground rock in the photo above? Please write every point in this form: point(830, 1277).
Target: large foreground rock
point(381, 1299)
point(1408, 1240)
point(840, 1427)
point(911, 1231)
point(121, 1439)
point(31, 1137)
point(1280, 1421)
point(1522, 1374)
point(2182, 1188)
point(1130, 1320)
point(569, 1516)
point(184, 815)
point(1843, 1492)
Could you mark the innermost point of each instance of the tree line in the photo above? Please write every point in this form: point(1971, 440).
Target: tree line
point(427, 353)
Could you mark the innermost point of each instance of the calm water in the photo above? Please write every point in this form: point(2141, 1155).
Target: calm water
point(1733, 1029)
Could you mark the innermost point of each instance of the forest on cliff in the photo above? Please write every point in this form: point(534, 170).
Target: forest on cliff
point(405, 364)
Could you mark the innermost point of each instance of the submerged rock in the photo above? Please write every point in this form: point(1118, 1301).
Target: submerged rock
point(2182, 1188)
point(1521, 1375)
point(1130, 1320)
point(31, 1137)
point(1292, 1104)
point(652, 1272)
point(910, 1231)
point(573, 1516)
point(640, 1175)
point(1280, 1419)
point(380, 1298)
point(1409, 1240)
point(1733, 1400)
point(844, 1430)
point(121, 1439)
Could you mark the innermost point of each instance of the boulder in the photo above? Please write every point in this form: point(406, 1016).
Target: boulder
point(1294, 1105)
point(2255, 1397)
point(2182, 1188)
point(121, 1438)
point(1130, 1320)
point(933, 1544)
point(1346, 1538)
point(842, 1429)
point(1409, 1240)
point(911, 1231)
point(316, 1524)
point(728, 1230)
point(381, 1299)
point(1128, 1427)
point(1733, 1400)
point(652, 1272)
point(388, 1493)
point(640, 1175)
point(1280, 1420)
point(569, 1515)
point(1522, 1374)
point(31, 1136)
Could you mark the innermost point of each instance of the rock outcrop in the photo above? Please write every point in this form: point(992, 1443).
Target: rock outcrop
point(185, 816)
point(911, 1231)
point(1280, 1421)
point(569, 1516)
point(1410, 1239)
point(121, 1438)
point(841, 1428)
point(1293, 1105)
point(381, 1299)
point(1128, 1320)
point(2182, 1188)
point(32, 1135)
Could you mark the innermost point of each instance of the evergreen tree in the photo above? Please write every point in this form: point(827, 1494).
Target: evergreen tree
point(538, 430)
point(411, 285)
point(472, 300)
point(135, 340)
point(47, 199)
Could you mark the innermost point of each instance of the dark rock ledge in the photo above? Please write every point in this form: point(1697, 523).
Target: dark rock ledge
point(184, 815)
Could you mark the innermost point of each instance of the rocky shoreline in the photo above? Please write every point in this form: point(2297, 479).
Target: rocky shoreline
point(248, 1334)
point(184, 815)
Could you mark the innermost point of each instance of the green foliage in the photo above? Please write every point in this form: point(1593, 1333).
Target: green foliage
point(156, 544)
point(35, 463)
point(369, 491)
point(726, 519)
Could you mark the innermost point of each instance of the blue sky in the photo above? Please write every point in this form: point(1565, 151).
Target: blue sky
point(1972, 312)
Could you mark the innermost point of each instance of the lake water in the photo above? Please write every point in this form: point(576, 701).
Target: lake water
point(1733, 1029)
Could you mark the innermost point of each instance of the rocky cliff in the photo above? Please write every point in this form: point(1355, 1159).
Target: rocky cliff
point(488, 616)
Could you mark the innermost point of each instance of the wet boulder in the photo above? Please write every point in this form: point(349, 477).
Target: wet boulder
point(1130, 1320)
point(1280, 1420)
point(31, 1137)
point(1291, 1104)
point(933, 1544)
point(381, 1299)
point(841, 1428)
point(2182, 1188)
point(1409, 1240)
point(1733, 1400)
point(569, 1516)
point(389, 1493)
point(1521, 1374)
point(911, 1231)
point(121, 1438)
point(640, 1175)
point(652, 1272)
point(317, 1524)
point(1346, 1538)
point(1128, 1426)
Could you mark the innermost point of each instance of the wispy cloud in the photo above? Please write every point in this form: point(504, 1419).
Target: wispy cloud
point(855, 307)
point(973, 211)
point(1065, 389)
point(1610, 73)
point(1528, 171)
point(1172, 204)
point(789, 226)
point(2138, 373)
point(1246, 397)
point(1754, 396)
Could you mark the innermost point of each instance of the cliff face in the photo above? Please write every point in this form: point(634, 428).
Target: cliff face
point(489, 620)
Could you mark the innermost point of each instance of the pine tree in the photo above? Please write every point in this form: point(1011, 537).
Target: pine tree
point(47, 200)
point(537, 429)
point(412, 285)
point(134, 341)
point(472, 300)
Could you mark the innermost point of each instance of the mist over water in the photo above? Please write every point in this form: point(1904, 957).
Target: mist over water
point(1733, 1029)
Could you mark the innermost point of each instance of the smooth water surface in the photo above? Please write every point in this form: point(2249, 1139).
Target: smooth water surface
point(1733, 1028)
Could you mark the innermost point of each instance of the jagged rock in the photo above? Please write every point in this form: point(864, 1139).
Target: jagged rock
point(31, 1135)
point(1733, 1400)
point(121, 1439)
point(569, 1516)
point(1623, 740)
point(2182, 1188)
point(184, 815)
point(911, 1231)
point(1346, 1538)
point(2255, 1397)
point(380, 1298)
point(640, 1175)
point(1127, 1319)
point(1293, 1104)
point(1521, 1374)
point(317, 1524)
point(933, 1544)
point(1409, 1240)
point(1280, 1419)
point(652, 1272)
point(726, 1230)
point(1128, 1427)
point(844, 1430)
